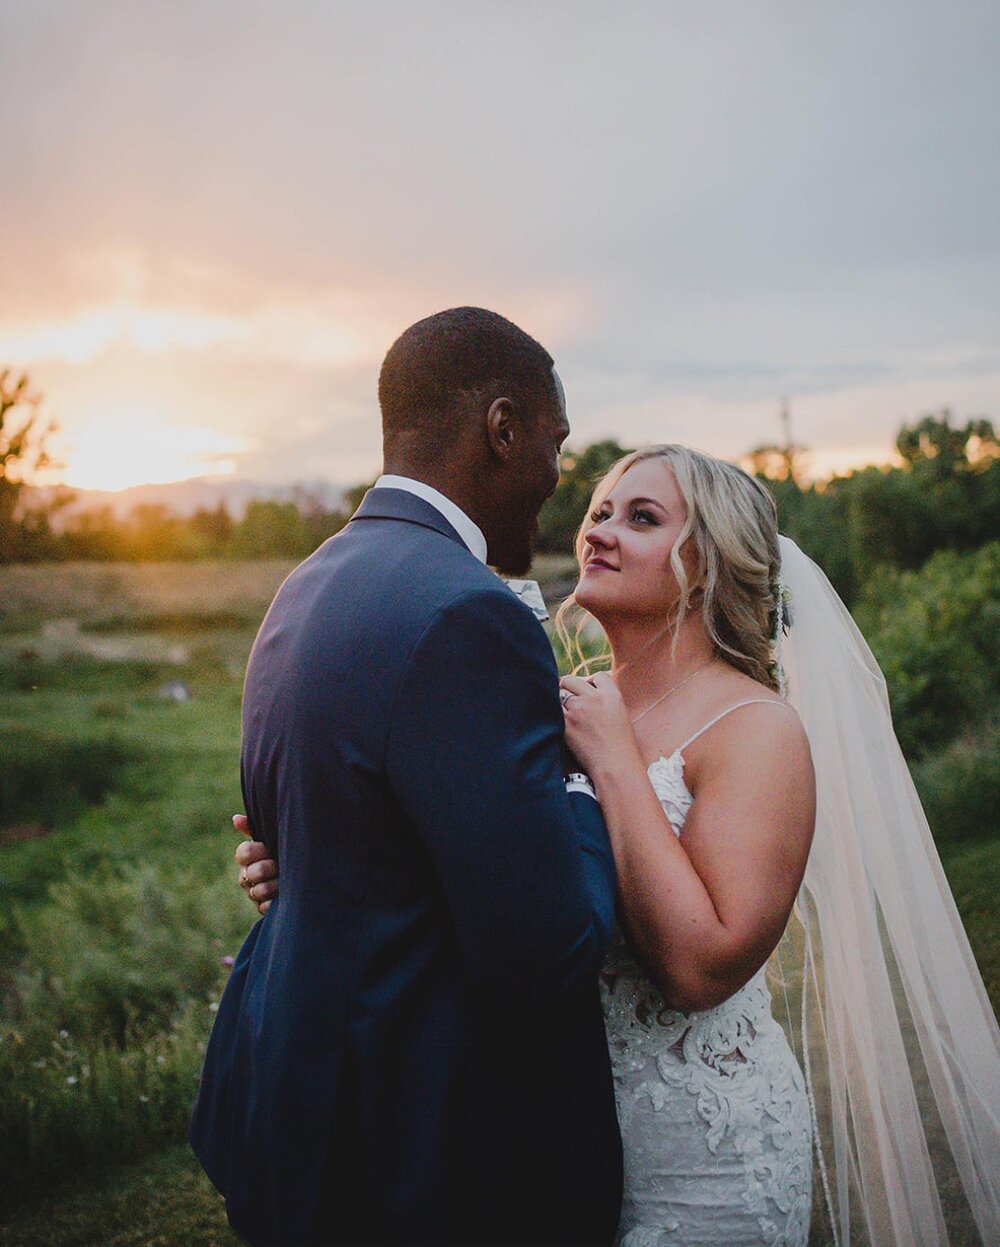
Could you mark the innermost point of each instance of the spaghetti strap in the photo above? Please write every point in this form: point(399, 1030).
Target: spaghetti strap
point(751, 701)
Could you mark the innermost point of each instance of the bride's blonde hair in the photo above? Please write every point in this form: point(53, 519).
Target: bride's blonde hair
point(733, 524)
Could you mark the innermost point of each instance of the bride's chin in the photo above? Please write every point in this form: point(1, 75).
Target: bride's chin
point(591, 602)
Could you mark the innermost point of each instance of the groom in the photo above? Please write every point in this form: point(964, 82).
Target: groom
point(410, 1047)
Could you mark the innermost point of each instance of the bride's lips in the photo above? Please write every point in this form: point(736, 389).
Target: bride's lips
point(598, 563)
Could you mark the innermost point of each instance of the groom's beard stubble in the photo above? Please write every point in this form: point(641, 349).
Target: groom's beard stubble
point(515, 556)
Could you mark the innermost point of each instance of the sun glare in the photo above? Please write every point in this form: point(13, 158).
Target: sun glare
point(315, 334)
point(820, 465)
point(137, 446)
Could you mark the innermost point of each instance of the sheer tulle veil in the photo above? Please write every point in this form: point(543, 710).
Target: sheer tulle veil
point(874, 978)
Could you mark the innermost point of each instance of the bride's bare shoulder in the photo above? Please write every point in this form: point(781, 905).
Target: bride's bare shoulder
point(755, 732)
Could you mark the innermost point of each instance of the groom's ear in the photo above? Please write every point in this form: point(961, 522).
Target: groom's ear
point(501, 428)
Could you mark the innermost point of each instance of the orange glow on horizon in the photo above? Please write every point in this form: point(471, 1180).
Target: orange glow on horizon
point(814, 466)
point(139, 446)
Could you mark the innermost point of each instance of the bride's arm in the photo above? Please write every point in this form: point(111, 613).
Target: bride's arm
point(702, 913)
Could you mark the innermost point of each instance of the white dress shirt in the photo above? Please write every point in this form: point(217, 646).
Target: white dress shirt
point(470, 532)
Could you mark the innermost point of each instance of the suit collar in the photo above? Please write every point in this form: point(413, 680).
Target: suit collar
point(463, 524)
point(400, 504)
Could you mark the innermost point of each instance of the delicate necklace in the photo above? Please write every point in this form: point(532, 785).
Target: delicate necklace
point(657, 636)
point(673, 689)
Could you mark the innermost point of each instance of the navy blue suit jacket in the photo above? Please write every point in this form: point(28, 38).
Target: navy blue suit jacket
point(410, 1047)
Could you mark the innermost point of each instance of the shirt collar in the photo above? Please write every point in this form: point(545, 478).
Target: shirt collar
point(469, 531)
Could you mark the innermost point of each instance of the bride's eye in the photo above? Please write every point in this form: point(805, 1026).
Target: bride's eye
point(597, 516)
point(645, 517)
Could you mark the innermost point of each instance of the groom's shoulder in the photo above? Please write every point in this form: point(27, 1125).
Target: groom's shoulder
point(460, 590)
point(407, 581)
point(434, 584)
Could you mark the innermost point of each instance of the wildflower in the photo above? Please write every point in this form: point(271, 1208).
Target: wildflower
point(214, 1006)
point(144, 1099)
point(227, 960)
point(72, 1080)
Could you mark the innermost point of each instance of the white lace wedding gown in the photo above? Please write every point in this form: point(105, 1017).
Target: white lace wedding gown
point(713, 1110)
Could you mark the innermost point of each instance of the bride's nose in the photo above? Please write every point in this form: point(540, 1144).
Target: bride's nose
point(599, 537)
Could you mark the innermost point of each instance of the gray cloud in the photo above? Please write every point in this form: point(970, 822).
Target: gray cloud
point(698, 206)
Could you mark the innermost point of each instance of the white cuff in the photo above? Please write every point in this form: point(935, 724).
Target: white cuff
point(578, 782)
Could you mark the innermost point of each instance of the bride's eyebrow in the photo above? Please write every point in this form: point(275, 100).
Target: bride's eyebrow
point(647, 502)
point(632, 502)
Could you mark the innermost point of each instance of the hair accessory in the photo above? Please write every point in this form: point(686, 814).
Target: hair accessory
point(779, 632)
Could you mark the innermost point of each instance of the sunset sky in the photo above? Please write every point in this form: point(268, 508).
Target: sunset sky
point(216, 216)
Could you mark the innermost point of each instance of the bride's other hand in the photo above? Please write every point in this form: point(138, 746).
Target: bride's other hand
point(258, 875)
point(598, 730)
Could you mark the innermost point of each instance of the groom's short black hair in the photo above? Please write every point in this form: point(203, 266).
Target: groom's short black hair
point(435, 366)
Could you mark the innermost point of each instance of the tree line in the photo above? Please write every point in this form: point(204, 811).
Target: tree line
point(944, 496)
point(914, 550)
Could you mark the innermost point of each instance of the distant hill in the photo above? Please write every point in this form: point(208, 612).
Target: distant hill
point(186, 497)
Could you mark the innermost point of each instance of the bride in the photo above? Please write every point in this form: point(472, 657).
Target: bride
point(706, 784)
point(872, 1059)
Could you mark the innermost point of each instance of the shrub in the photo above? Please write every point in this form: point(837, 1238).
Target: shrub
point(960, 788)
point(114, 955)
point(935, 634)
point(70, 1107)
point(48, 779)
point(103, 1034)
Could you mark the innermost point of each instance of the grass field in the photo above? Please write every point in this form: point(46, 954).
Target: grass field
point(119, 739)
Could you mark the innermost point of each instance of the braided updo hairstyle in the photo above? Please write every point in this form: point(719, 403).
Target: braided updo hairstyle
point(733, 524)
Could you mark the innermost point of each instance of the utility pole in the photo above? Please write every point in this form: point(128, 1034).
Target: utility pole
point(787, 448)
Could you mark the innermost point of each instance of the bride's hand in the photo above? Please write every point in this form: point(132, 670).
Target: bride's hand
point(258, 875)
point(598, 731)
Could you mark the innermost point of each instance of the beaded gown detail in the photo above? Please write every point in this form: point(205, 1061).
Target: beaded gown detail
point(713, 1108)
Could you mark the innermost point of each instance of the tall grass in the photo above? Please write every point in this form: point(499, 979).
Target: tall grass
point(46, 779)
point(959, 787)
point(117, 912)
point(92, 592)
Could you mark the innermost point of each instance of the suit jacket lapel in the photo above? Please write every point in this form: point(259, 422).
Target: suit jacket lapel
point(400, 504)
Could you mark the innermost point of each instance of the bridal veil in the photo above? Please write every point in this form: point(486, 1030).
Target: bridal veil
point(875, 974)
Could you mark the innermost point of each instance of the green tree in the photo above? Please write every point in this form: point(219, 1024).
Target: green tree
point(320, 522)
point(940, 452)
point(23, 438)
point(815, 518)
point(271, 529)
point(936, 635)
point(353, 497)
point(946, 495)
point(95, 534)
point(563, 512)
point(213, 527)
point(154, 534)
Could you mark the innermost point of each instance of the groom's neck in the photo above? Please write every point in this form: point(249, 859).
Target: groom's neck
point(444, 467)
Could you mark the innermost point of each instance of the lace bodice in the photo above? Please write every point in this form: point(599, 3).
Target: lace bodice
point(712, 1098)
point(639, 1022)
